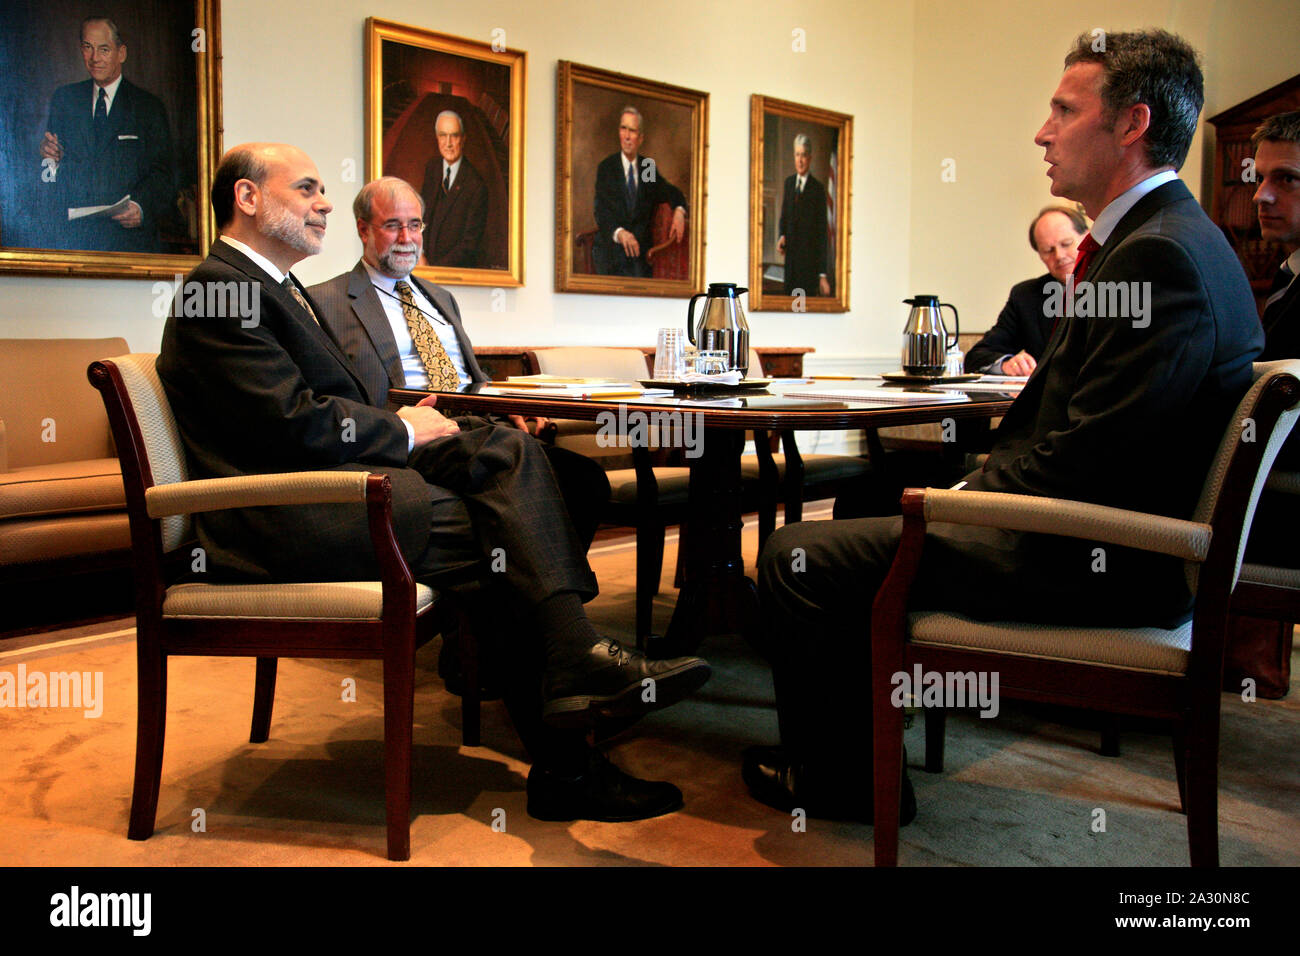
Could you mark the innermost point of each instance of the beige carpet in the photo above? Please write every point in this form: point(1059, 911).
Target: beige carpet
point(1018, 790)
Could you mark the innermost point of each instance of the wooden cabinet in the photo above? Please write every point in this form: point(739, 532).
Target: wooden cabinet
point(1231, 205)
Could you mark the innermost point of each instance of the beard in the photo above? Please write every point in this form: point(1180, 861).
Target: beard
point(400, 259)
point(280, 223)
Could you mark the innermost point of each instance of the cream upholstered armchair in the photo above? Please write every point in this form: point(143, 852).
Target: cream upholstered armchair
point(382, 620)
point(647, 486)
point(796, 477)
point(1170, 674)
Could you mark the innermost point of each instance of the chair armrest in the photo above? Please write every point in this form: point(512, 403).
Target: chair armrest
point(1188, 540)
point(1287, 482)
point(4, 448)
point(253, 491)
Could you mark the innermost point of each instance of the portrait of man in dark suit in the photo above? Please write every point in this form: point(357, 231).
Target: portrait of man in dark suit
point(106, 139)
point(803, 239)
point(628, 188)
point(455, 200)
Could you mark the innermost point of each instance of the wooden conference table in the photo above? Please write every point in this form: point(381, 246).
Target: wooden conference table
point(716, 596)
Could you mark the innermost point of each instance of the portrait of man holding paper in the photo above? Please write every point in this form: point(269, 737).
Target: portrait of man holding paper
point(100, 144)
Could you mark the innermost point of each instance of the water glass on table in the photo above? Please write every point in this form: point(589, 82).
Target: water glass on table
point(670, 355)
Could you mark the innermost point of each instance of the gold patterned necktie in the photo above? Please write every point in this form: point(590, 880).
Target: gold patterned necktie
point(292, 289)
point(443, 376)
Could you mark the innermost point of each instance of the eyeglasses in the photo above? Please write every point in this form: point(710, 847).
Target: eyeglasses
point(393, 228)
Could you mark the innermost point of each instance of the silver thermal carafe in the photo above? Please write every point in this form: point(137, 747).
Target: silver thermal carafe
point(925, 338)
point(721, 324)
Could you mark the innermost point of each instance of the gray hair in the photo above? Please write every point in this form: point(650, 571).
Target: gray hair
point(389, 187)
point(801, 139)
point(459, 122)
point(112, 28)
point(640, 120)
point(1280, 128)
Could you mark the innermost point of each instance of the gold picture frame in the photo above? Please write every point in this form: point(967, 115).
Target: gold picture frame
point(592, 204)
point(783, 270)
point(475, 231)
point(147, 169)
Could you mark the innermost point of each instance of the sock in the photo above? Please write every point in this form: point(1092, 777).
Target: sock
point(566, 631)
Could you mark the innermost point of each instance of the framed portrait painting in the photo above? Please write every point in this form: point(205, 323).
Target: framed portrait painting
point(109, 135)
point(447, 115)
point(629, 201)
point(800, 177)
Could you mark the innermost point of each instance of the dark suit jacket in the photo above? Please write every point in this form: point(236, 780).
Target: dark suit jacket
point(282, 396)
point(1277, 520)
point(1022, 324)
point(614, 212)
point(132, 154)
point(455, 221)
point(368, 341)
point(1132, 417)
point(803, 223)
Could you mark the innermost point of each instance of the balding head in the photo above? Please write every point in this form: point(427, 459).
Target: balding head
point(270, 197)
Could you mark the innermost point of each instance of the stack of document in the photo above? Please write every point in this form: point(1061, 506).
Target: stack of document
point(891, 396)
point(555, 386)
point(987, 383)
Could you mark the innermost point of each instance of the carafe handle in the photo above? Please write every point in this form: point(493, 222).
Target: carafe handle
point(956, 321)
point(690, 317)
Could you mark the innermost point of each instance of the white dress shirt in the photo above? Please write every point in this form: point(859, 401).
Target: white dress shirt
point(412, 367)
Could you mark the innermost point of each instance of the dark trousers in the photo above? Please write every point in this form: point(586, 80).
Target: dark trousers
point(497, 504)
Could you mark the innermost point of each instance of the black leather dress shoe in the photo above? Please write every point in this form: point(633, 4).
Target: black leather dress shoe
point(612, 681)
point(777, 781)
point(602, 793)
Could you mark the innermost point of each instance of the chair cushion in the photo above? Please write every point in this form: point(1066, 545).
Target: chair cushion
point(63, 488)
point(673, 485)
point(332, 600)
point(816, 468)
point(28, 540)
point(1150, 649)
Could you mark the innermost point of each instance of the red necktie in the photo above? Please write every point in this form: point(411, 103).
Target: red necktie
point(1086, 249)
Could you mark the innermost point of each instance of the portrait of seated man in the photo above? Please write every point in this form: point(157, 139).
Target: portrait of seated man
point(106, 139)
point(628, 188)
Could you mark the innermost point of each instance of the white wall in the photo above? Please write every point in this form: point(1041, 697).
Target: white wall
point(983, 76)
point(925, 80)
point(293, 71)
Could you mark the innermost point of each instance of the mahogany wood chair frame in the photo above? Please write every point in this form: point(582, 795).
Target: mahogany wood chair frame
point(1189, 701)
point(392, 637)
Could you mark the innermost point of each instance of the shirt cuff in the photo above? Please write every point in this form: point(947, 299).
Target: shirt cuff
point(410, 436)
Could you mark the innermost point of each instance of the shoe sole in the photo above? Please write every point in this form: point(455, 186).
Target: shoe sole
point(670, 687)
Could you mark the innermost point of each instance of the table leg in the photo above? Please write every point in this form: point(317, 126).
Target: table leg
point(715, 596)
